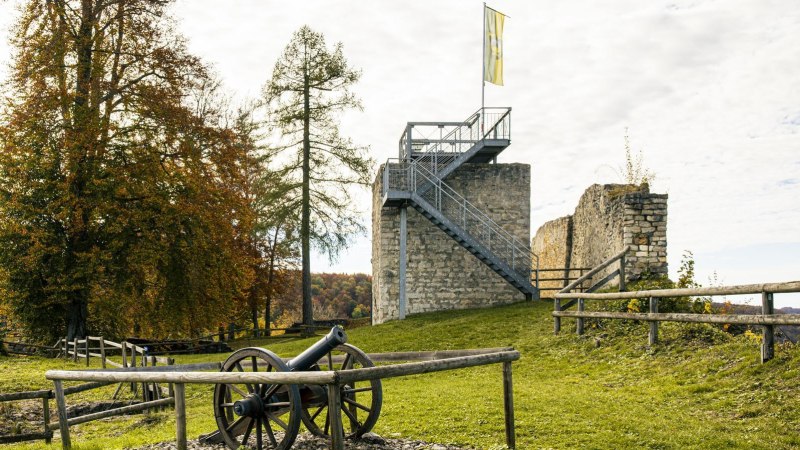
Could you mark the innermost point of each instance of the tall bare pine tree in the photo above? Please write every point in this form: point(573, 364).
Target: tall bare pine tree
point(310, 87)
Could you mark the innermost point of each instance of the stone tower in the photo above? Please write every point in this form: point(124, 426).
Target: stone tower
point(450, 227)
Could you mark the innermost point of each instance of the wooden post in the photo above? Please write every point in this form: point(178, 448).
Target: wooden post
point(134, 386)
point(508, 405)
point(180, 415)
point(145, 397)
point(556, 320)
point(579, 320)
point(86, 349)
point(133, 355)
point(622, 285)
point(75, 350)
point(62, 414)
point(768, 343)
point(124, 353)
point(653, 338)
point(46, 418)
point(66, 348)
point(102, 352)
point(335, 414)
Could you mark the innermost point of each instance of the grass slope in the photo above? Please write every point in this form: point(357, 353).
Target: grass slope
point(699, 388)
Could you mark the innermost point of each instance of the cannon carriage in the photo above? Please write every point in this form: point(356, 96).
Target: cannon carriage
point(268, 416)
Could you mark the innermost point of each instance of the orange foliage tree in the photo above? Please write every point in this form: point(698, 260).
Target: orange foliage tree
point(122, 205)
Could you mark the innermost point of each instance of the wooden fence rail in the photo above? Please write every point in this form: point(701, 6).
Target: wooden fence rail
point(332, 379)
point(767, 319)
point(45, 395)
point(579, 297)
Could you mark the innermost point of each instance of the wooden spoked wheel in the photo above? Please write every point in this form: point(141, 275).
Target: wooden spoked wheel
point(259, 416)
point(361, 402)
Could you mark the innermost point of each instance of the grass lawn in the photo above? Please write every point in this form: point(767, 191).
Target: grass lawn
point(698, 388)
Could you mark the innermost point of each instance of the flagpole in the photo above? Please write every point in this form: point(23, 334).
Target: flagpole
point(483, 70)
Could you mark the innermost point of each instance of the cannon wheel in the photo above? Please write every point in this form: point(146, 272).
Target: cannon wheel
point(267, 414)
point(361, 402)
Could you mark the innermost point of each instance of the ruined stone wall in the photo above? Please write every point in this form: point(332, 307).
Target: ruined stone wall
point(552, 244)
point(440, 274)
point(607, 218)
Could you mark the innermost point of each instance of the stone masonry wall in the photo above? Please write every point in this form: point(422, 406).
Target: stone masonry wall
point(440, 274)
point(607, 218)
point(552, 244)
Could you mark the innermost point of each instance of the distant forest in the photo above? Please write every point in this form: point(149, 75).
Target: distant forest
point(336, 296)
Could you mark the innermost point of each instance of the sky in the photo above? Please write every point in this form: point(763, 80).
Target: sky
point(709, 91)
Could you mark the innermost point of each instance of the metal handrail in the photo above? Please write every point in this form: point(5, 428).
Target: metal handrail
point(445, 151)
point(466, 133)
point(414, 177)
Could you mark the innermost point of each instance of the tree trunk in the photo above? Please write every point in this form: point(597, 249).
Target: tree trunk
point(270, 279)
point(305, 225)
point(80, 148)
point(77, 311)
point(254, 318)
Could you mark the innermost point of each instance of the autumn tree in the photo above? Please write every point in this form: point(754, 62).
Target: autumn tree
point(273, 243)
point(120, 185)
point(310, 87)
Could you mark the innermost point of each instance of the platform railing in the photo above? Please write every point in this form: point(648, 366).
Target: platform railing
point(437, 144)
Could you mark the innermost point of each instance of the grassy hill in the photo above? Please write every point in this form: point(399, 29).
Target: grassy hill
point(699, 388)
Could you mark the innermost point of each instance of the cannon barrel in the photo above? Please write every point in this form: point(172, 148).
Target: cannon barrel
point(312, 354)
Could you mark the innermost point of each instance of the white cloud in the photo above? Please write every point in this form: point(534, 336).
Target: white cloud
point(707, 88)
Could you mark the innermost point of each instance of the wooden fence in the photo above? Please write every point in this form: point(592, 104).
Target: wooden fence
point(579, 299)
point(566, 276)
point(45, 396)
point(131, 356)
point(332, 379)
point(767, 319)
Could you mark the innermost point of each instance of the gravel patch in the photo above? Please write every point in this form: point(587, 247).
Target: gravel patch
point(306, 441)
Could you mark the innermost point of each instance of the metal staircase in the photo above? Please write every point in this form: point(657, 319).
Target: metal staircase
point(416, 179)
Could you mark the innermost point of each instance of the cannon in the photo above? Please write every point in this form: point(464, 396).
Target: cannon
point(265, 416)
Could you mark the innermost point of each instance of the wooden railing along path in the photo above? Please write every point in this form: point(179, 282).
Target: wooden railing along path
point(435, 362)
point(152, 395)
point(767, 319)
point(128, 351)
point(579, 299)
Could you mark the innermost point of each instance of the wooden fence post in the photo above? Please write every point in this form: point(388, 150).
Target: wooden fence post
point(86, 348)
point(75, 350)
point(508, 405)
point(62, 414)
point(66, 348)
point(134, 386)
point(335, 415)
point(653, 338)
point(102, 352)
point(579, 320)
point(768, 342)
point(46, 418)
point(180, 415)
point(133, 355)
point(556, 320)
point(124, 353)
point(145, 396)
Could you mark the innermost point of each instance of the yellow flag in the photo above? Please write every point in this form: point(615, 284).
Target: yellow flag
point(493, 47)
